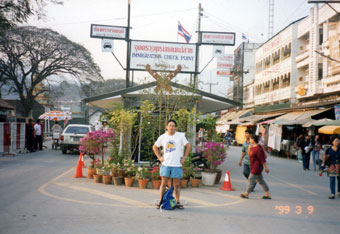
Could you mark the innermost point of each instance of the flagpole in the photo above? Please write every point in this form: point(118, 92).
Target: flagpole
point(177, 29)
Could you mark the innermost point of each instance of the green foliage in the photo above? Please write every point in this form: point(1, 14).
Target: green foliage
point(142, 173)
point(209, 124)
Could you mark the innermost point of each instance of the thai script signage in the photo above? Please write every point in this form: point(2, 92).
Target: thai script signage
point(106, 31)
point(218, 38)
point(162, 56)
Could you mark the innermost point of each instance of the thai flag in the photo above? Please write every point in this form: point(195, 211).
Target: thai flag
point(244, 37)
point(184, 33)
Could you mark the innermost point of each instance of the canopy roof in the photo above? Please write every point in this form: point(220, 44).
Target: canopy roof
point(330, 129)
point(297, 117)
point(207, 102)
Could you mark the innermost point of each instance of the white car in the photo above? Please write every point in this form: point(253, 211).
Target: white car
point(71, 136)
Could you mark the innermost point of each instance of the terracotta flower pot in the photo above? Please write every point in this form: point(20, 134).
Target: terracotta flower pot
point(121, 172)
point(184, 183)
point(117, 180)
point(156, 184)
point(129, 181)
point(114, 172)
point(90, 172)
point(97, 178)
point(107, 179)
point(195, 182)
point(143, 184)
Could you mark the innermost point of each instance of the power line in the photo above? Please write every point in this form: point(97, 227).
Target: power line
point(119, 18)
point(229, 26)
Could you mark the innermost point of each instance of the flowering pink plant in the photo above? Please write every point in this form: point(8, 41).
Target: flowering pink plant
point(96, 142)
point(214, 153)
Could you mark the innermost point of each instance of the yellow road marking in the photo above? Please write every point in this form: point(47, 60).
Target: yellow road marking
point(128, 202)
point(104, 194)
point(293, 185)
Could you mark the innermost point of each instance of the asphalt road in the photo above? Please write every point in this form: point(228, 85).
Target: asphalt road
point(39, 195)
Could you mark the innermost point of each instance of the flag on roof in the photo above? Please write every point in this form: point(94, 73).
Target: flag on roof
point(244, 37)
point(184, 33)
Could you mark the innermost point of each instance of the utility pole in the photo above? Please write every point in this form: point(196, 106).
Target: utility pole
point(198, 45)
point(128, 47)
point(271, 19)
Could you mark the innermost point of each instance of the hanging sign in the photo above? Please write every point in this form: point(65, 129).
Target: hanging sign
point(107, 45)
point(218, 51)
point(218, 38)
point(107, 31)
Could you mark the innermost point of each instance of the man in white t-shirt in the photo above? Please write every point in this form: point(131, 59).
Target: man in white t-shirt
point(38, 136)
point(173, 144)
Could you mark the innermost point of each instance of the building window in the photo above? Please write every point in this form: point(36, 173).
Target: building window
point(320, 71)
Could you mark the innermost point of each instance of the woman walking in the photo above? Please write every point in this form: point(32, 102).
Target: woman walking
point(257, 160)
point(332, 159)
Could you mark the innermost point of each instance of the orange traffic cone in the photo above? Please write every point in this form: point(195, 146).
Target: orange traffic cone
point(227, 183)
point(82, 160)
point(79, 170)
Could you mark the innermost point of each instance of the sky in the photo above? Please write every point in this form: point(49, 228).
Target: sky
point(157, 20)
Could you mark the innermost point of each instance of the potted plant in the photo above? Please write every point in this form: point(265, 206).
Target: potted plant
point(156, 179)
point(106, 172)
point(214, 153)
point(94, 143)
point(116, 178)
point(91, 170)
point(98, 178)
point(130, 172)
point(196, 176)
point(142, 175)
point(187, 172)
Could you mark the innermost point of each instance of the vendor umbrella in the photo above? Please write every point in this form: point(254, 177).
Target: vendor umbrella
point(56, 115)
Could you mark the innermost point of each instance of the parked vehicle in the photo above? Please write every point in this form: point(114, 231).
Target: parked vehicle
point(71, 136)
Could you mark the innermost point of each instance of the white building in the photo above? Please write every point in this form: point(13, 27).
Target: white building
point(318, 80)
point(276, 70)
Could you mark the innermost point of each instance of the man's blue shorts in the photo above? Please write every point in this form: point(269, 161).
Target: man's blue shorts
point(173, 172)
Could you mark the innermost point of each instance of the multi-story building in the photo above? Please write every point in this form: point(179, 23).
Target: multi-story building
point(244, 69)
point(275, 70)
point(318, 77)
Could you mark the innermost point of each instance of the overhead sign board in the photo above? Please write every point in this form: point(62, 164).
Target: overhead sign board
point(107, 31)
point(225, 64)
point(162, 56)
point(224, 73)
point(218, 38)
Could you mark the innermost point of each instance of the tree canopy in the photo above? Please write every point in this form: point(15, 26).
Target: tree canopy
point(13, 12)
point(30, 56)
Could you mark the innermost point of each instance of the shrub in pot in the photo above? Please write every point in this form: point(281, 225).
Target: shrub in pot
point(142, 174)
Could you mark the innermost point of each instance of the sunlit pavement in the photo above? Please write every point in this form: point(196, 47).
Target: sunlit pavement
point(39, 195)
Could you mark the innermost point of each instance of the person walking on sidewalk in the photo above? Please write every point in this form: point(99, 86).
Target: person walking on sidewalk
point(306, 147)
point(332, 160)
point(244, 156)
point(297, 147)
point(173, 144)
point(38, 136)
point(30, 136)
point(316, 151)
point(257, 162)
